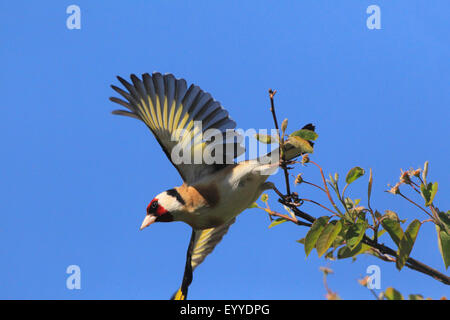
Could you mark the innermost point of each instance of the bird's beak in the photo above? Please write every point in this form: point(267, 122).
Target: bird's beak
point(149, 219)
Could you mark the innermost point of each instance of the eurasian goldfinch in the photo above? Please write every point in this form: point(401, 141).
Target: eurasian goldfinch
point(212, 194)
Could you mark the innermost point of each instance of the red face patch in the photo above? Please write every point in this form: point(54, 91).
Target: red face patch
point(155, 208)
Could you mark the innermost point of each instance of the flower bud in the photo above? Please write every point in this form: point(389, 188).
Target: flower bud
point(404, 177)
point(305, 159)
point(395, 189)
point(298, 179)
point(284, 125)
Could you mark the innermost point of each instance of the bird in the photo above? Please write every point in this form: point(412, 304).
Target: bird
point(212, 194)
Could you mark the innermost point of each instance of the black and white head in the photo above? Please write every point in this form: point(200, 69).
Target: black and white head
point(165, 207)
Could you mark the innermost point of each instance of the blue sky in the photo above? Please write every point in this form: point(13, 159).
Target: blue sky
point(75, 180)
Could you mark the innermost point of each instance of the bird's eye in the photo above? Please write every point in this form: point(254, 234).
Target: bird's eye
point(152, 207)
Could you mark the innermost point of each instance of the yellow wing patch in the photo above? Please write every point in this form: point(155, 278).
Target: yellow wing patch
point(206, 240)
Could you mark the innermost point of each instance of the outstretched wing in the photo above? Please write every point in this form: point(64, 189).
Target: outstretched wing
point(182, 120)
point(206, 240)
point(201, 245)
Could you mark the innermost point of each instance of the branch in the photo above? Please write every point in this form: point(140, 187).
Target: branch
point(410, 263)
point(286, 217)
point(286, 200)
point(282, 159)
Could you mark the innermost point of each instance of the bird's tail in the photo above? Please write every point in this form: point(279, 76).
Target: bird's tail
point(178, 295)
point(290, 151)
point(181, 293)
point(202, 243)
point(270, 162)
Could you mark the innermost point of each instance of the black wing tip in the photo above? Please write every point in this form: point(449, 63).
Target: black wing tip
point(120, 112)
point(115, 88)
point(157, 74)
point(123, 81)
point(310, 126)
point(115, 100)
point(125, 113)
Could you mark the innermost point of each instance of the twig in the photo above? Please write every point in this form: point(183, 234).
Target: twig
point(401, 194)
point(326, 187)
point(343, 190)
point(314, 185)
point(286, 217)
point(320, 205)
point(283, 161)
point(414, 184)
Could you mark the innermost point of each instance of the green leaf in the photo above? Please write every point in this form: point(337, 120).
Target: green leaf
point(305, 134)
point(407, 243)
point(444, 245)
point(391, 215)
point(392, 294)
point(264, 197)
point(428, 192)
point(340, 237)
point(369, 188)
point(265, 138)
point(444, 220)
point(328, 235)
point(333, 182)
point(380, 233)
point(355, 233)
point(434, 189)
point(277, 222)
point(253, 205)
point(346, 252)
point(298, 145)
point(302, 241)
point(415, 297)
point(360, 213)
point(354, 174)
point(329, 255)
point(314, 233)
point(349, 204)
point(393, 227)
